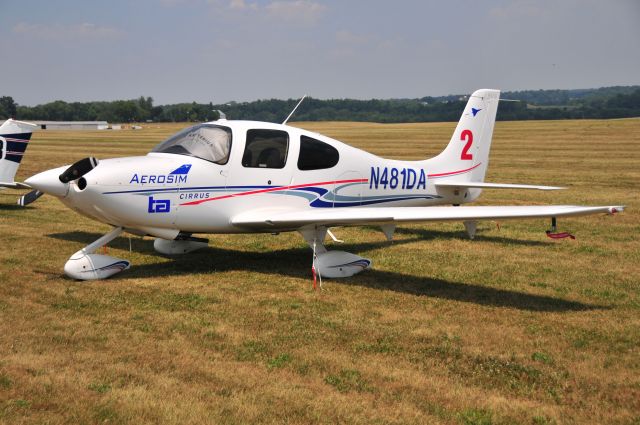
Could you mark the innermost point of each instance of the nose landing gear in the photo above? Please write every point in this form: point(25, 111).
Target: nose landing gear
point(87, 265)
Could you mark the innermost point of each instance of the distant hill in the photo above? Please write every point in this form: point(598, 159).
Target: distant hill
point(555, 97)
point(604, 102)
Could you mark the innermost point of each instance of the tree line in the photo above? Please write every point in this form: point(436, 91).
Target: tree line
point(607, 102)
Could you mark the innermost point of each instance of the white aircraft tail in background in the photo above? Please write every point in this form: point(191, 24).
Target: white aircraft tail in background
point(14, 138)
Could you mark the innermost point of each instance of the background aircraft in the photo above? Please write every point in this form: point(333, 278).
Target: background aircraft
point(14, 138)
point(247, 177)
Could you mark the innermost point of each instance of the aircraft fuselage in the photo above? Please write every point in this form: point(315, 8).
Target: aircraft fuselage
point(189, 194)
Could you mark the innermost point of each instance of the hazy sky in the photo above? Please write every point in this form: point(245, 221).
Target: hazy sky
point(222, 50)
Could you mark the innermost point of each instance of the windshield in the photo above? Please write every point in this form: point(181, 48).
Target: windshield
point(209, 142)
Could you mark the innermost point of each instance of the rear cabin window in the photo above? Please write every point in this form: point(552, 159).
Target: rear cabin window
point(316, 155)
point(266, 149)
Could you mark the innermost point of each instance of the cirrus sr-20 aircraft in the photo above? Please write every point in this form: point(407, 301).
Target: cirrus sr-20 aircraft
point(257, 177)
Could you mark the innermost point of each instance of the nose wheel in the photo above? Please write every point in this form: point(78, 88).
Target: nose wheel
point(87, 265)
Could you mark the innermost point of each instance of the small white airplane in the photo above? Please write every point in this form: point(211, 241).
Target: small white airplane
point(256, 177)
point(14, 138)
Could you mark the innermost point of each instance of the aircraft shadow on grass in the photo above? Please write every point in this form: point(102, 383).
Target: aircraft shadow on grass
point(296, 262)
point(461, 234)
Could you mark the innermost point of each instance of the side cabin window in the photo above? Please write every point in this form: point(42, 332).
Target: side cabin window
point(266, 149)
point(205, 141)
point(316, 155)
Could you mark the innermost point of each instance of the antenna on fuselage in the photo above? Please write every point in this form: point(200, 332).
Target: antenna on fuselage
point(294, 109)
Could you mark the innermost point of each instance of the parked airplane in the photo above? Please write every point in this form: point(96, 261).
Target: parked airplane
point(14, 138)
point(255, 177)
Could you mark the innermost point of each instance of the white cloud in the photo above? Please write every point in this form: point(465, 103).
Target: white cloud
point(173, 3)
point(517, 9)
point(242, 5)
point(67, 32)
point(347, 37)
point(302, 11)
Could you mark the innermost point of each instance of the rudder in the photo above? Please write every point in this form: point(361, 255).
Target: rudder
point(14, 138)
point(466, 157)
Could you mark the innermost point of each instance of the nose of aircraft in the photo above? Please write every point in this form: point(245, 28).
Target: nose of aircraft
point(49, 182)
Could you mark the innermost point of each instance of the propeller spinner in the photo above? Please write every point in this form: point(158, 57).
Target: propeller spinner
point(56, 181)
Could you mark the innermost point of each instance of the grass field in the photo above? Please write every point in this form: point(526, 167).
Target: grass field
point(508, 328)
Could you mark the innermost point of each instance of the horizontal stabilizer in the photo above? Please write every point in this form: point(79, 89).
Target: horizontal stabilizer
point(357, 216)
point(483, 185)
point(15, 185)
point(12, 126)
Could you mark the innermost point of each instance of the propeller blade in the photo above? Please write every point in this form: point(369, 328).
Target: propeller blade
point(78, 169)
point(29, 198)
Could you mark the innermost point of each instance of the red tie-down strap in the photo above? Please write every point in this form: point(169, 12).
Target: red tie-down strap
point(313, 272)
point(559, 235)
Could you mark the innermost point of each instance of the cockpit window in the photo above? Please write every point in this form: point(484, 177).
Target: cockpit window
point(205, 141)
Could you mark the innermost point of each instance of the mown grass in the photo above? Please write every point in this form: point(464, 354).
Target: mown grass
point(508, 328)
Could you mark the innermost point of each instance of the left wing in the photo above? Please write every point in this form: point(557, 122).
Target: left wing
point(287, 219)
point(24, 200)
point(15, 185)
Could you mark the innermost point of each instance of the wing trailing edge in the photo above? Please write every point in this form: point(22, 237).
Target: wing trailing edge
point(483, 185)
point(355, 216)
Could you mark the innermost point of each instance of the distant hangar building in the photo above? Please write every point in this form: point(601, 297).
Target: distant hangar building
point(73, 125)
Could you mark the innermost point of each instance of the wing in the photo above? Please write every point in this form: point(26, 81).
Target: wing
point(282, 219)
point(15, 185)
point(483, 185)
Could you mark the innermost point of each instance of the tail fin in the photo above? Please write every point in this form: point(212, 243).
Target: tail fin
point(14, 137)
point(466, 157)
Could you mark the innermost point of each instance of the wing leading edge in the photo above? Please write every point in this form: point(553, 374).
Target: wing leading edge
point(361, 216)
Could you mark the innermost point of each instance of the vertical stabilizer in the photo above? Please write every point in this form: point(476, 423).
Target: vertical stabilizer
point(14, 137)
point(466, 157)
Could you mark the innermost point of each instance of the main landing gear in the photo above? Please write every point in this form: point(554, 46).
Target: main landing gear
point(87, 265)
point(332, 264)
point(183, 244)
